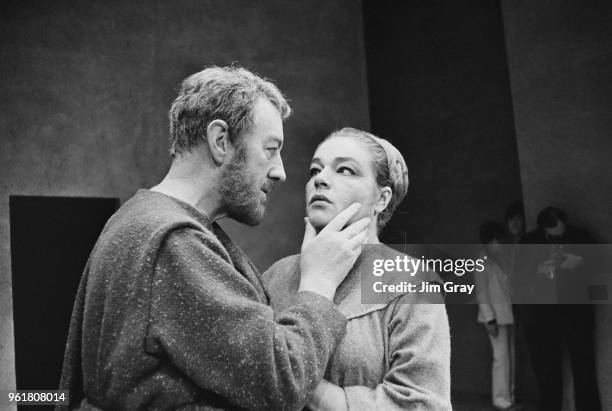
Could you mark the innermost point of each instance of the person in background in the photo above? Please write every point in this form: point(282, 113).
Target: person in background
point(514, 218)
point(495, 312)
point(395, 354)
point(515, 223)
point(555, 265)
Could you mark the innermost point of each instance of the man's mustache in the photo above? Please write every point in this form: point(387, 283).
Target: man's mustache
point(268, 187)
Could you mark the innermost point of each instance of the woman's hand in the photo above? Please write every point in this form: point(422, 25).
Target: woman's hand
point(328, 397)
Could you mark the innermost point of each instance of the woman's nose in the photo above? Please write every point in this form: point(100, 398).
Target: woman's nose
point(321, 179)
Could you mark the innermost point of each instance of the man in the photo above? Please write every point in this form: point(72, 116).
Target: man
point(495, 312)
point(170, 313)
point(556, 266)
point(515, 223)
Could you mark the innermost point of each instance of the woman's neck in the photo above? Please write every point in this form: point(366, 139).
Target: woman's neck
point(372, 237)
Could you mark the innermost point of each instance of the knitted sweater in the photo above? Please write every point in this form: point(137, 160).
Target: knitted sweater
point(171, 314)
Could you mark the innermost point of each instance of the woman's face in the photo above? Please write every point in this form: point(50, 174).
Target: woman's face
point(341, 173)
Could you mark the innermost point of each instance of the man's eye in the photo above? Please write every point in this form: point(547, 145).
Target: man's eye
point(346, 171)
point(313, 172)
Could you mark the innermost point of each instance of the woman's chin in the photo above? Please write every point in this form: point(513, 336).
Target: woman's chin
point(319, 220)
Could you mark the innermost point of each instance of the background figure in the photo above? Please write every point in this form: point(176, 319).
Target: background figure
point(514, 219)
point(550, 327)
point(515, 223)
point(495, 312)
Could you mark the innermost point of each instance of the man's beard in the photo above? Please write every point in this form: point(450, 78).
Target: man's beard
point(240, 193)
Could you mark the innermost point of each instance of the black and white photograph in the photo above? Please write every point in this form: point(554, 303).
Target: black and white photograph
point(324, 205)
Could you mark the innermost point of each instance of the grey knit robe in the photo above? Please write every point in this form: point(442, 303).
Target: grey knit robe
point(171, 314)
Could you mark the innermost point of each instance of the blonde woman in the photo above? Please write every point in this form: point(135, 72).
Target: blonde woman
point(394, 355)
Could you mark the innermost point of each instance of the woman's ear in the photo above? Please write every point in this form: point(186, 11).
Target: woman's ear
point(217, 138)
point(383, 199)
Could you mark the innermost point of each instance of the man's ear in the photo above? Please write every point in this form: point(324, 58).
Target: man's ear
point(383, 199)
point(217, 138)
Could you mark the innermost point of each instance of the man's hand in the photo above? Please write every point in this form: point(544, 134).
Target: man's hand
point(327, 257)
point(571, 261)
point(547, 269)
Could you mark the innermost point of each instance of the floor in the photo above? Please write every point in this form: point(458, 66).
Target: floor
point(463, 402)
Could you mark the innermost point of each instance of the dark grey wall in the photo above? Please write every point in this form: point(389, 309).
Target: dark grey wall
point(86, 86)
point(439, 90)
point(560, 60)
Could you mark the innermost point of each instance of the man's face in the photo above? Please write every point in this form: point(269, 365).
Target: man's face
point(255, 167)
point(555, 234)
point(516, 225)
point(494, 247)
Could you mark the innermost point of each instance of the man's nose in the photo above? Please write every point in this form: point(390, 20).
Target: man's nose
point(277, 173)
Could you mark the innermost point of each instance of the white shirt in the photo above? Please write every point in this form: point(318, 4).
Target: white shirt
point(493, 294)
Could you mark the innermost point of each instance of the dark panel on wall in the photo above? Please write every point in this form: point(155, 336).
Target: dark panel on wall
point(439, 90)
point(51, 238)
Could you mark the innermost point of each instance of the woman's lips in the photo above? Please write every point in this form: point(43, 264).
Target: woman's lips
point(319, 198)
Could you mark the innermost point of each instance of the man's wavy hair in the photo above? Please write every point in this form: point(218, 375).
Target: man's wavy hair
point(223, 93)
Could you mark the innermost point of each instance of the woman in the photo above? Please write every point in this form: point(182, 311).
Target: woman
point(394, 355)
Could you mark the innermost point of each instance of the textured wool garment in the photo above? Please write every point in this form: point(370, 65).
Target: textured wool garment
point(171, 314)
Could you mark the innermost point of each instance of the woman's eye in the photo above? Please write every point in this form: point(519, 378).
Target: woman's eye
point(346, 171)
point(313, 172)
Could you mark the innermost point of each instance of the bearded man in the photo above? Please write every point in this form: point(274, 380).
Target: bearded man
point(170, 313)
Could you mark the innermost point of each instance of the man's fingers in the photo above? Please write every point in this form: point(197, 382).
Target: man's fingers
point(339, 221)
point(357, 240)
point(357, 227)
point(309, 231)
